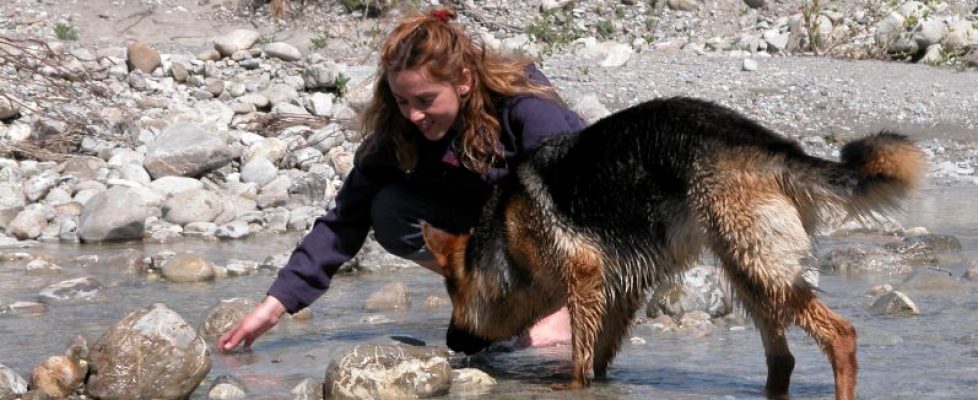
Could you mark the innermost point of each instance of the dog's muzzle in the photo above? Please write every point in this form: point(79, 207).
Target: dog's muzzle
point(465, 342)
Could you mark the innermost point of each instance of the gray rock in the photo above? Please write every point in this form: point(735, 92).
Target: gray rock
point(41, 267)
point(893, 303)
point(227, 387)
point(972, 273)
point(151, 353)
point(192, 206)
point(240, 39)
point(30, 222)
point(180, 72)
point(187, 267)
point(173, 185)
point(310, 188)
point(233, 230)
point(683, 5)
point(931, 31)
point(275, 193)
point(308, 389)
point(12, 385)
point(115, 214)
point(591, 109)
point(321, 104)
point(259, 171)
point(700, 289)
point(8, 108)
point(241, 267)
point(961, 35)
point(186, 149)
point(279, 93)
point(341, 161)
point(749, 64)
point(271, 149)
point(388, 372)
point(282, 51)
point(70, 291)
point(471, 382)
point(321, 76)
point(38, 185)
point(861, 259)
point(27, 308)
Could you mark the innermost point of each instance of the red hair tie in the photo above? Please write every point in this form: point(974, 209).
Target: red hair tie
point(440, 15)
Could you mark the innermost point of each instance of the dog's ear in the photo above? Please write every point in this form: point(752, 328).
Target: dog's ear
point(447, 248)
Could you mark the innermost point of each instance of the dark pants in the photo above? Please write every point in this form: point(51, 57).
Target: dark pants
point(397, 212)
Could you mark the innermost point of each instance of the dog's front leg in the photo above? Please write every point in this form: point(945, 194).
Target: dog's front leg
point(587, 305)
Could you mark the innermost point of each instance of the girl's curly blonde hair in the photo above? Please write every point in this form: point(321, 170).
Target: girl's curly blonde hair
point(443, 49)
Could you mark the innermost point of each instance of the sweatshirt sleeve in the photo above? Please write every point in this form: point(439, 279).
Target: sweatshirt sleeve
point(334, 239)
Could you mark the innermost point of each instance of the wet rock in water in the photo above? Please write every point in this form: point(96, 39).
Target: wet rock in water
point(392, 296)
point(241, 267)
point(227, 387)
point(972, 273)
point(71, 291)
point(697, 323)
point(43, 267)
point(700, 289)
point(26, 308)
point(435, 302)
point(275, 262)
point(930, 280)
point(894, 303)
point(471, 382)
point(861, 259)
point(923, 249)
point(186, 149)
point(115, 214)
point(308, 389)
point(879, 289)
point(222, 316)
point(12, 385)
point(188, 267)
point(304, 314)
point(151, 353)
point(389, 372)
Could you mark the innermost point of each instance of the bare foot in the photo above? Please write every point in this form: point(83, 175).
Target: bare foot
point(551, 330)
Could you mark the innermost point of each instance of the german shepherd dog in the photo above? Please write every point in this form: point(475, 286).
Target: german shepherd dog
point(595, 219)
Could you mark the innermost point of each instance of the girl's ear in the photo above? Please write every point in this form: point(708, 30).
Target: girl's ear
point(466, 85)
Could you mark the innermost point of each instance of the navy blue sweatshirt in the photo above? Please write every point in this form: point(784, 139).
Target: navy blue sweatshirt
point(525, 121)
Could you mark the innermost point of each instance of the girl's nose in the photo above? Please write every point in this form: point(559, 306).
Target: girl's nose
point(415, 115)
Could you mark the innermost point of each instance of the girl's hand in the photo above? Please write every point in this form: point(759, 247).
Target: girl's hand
point(258, 321)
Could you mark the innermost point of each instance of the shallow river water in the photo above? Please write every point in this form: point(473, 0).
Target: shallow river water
point(930, 356)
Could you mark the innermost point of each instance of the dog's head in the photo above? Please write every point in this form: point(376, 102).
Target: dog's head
point(488, 303)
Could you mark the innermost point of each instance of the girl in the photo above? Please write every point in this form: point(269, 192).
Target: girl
point(448, 119)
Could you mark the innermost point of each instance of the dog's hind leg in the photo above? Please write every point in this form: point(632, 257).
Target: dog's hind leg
point(766, 251)
point(837, 338)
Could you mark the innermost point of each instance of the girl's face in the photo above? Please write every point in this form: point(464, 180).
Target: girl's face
point(430, 105)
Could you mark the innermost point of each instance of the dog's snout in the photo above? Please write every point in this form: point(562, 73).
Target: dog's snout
point(462, 341)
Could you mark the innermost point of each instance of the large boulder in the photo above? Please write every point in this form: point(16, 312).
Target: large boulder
point(152, 353)
point(113, 215)
point(389, 372)
point(186, 149)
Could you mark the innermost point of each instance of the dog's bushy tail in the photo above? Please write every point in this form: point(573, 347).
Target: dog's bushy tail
point(874, 177)
point(888, 168)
